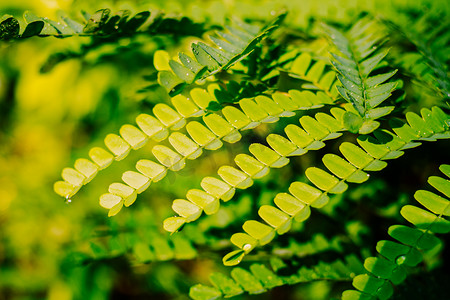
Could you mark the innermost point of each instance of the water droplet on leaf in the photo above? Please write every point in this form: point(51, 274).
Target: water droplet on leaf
point(400, 260)
point(247, 247)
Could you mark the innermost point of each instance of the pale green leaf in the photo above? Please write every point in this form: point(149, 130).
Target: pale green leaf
point(133, 136)
point(202, 98)
point(233, 258)
point(269, 106)
point(87, 168)
point(186, 107)
point(152, 170)
point(169, 117)
point(117, 145)
point(152, 127)
point(251, 166)
point(108, 200)
point(203, 136)
point(283, 146)
point(255, 112)
point(173, 224)
point(217, 188)
point(237, 118)
point(222, 128)
point(267, 156)
point(355, 155)
point(338, 166)
point(127, 193)
point(65, 189)
point(207, 202)
point(285, 102)
point(275, 218)
point(136, 181)
point(101, 157)
point(325, 181)
point(314, 128)
point(289, 204)
point(73, 177)
point(372, 146)
point(261, 232)
point(184, 145)
point(234, 177)
point(298, 136)
point(186, 209)
point(244, 241)
point(308, 194)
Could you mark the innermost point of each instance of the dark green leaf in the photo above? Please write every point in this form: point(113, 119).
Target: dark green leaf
point(33, 28)
point(9, 28)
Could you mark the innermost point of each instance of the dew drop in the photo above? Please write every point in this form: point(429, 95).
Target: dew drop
point(247, 247)
point(400, 260)
point(68, 200)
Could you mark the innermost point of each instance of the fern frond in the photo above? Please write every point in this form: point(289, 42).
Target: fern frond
point(101, 23)
point(429, 65)
point(226, 128)
point(259, 278)
point(356, 59)
point(303, 68)
point(252, 113)
point(232, 46)
point(150, 248)
point(300, 140)
point(371, 156)
point(155, 127)
point(406, 251)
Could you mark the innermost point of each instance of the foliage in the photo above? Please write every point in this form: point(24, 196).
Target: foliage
point(303, 110)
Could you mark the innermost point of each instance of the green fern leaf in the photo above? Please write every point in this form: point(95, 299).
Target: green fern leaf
point(242, 36)
point(382, 271)
point(355, 61)
point(327, 183)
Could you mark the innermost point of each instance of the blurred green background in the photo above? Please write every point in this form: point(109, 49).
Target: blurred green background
point(50, 249)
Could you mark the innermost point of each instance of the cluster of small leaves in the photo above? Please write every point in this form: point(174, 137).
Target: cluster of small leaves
point(370, 156)
point(154, 247)
point(406, 251)
point(227, 107)
point(102, 23)
point(259, 278)
point(232, 46)
point(431, 37)
point(357, 58)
